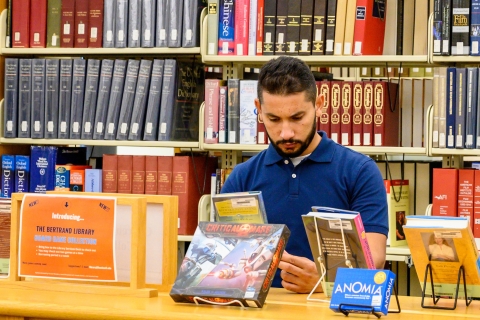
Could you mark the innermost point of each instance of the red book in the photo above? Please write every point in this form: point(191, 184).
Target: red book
point(151, 174)
point(68, 23)
point(357, 116)
point(124, 177)
point(346, 113)
point(138, 174)
point(81, 24)
point(476, 205)
point(260, 8)
point(20, 23)
point(466, 179)
point(324, 123)
point(262, 137)
point(38, 24)
point(95, 24)
point(109, 173)
point(335, 104)
point(212, 92)
point(367, 113)
point(444, 192)
point(164, 175)
point(190, 180)
point(386, 114)
point(369, 30)
point(242, 13)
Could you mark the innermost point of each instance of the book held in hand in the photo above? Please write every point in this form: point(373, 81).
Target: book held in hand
point(337, 239)
point(230, 263)
point(246, 207)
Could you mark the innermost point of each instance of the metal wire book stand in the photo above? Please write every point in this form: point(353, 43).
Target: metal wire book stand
point(196, 299)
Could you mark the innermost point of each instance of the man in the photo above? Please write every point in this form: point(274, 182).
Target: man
point(302, 168)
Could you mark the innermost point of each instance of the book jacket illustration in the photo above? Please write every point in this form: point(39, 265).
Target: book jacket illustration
point(230, 261)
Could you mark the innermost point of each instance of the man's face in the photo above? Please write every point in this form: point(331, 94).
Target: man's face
point(290, 122)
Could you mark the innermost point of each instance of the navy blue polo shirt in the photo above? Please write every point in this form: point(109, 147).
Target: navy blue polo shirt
point(332, 176)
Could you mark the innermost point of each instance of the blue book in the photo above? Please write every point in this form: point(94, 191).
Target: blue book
point(42, 168)
point(37, 115)
point(22, 173)
point(8, 170)
point(226, 27)
point(62, 178)
point(167, 100)
point(93, 180)
point(451, 106)
point(10, 107)
point(461, 100)
point(471, 111)
point(24, 97)
point(474, 27)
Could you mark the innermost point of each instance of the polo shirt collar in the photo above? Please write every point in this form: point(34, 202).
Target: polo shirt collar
point(323, 152)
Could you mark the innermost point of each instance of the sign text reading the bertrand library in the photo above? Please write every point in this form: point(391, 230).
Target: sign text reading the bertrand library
point(67, 237)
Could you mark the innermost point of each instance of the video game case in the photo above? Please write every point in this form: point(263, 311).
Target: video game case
point(121, 23)
point(90, 100)
point(154, 98)
point(109, 14)
point(191, 17)
point(134, 23)
point(81, 24)
point(65, 98)
point(104, 87)
point(8, 175)
point(233, 111)
point(95, 23)
point(22, 173)
point(175, 13)
point(148, 24)
point(128, 99)
point(115, 99)
point(42, 168)
point(37, 119)
point(135, 131)
point(167, 100)
point(52, 98)
point(54, 23)
point(78, 95)
point(10, 106)
point(161, 24)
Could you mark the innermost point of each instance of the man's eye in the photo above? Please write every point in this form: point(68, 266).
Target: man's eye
point(273, 120)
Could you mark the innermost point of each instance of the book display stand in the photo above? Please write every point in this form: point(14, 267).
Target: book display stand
point(461, 274)
point(344, 305)
point(196, 299)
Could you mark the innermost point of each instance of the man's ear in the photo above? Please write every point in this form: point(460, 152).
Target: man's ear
point(259, 109)
point(319, 105)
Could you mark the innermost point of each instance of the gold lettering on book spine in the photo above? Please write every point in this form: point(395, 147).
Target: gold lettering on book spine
point(346, 99)
point(378, 102)
point(335, 103)
point(357, 103)
point(324, 118)
point(367, 102)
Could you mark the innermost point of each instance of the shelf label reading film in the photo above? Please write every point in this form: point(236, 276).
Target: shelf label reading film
point(67, 237)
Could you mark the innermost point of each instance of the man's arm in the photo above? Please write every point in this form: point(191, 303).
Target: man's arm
point(378, 246)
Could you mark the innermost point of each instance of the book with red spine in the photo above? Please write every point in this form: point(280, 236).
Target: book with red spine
point(81, 24)
point(369, 30)
point(109, 173)
point(124, 171)
point(324, 121)
point(444, 192)
point(212, 92)
point(242, 13)
point(68, 24)
point(20, 24)
point(466, 181)
point(95, 24)
point(476, 204)
point(335, 108)
point(386, 114)
point(164, 175)
point(262, 137)
point(357, 114)
point(346, 113)
point(260, 26)
point(38, 24)
point(138, 174)
point(367, 113)
point(151, 174)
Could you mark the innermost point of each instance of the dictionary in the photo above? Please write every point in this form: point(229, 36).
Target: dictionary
point(228, 263)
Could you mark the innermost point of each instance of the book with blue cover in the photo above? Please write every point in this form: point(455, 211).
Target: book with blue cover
point(8, 179)
point(42, 168)
point(22, 173)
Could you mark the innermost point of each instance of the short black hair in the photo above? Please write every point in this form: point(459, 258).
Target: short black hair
point(286, 75)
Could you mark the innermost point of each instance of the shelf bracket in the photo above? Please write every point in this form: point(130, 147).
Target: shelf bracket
point(452, 161)
point(230, 158)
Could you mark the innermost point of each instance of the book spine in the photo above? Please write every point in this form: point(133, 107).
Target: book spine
point(437, 27)
point(68, 24)
point(37, 119)
point(148, 23)
point(212, 27)
point(444, 192)
point(340, 26)
point(442, 109)
point(476, 204)
point(351, 11)
point(52, 98)
point(38, 24)
point(191, 26)
point(269, 25)
point(104, 86)
point(164, 174)
point(167, 101)
point(226, 27)
point(90, 100)
point(10, 107)
point(154, 98)
point(292, 35)
point(93, 180)
point(128, 99)
point(65, 98)
point(134, 23)
point(174, 36)
point(222, 115)
point(242, 12)
point(109, 23)
point(151, 174)
point(446, 27)
point(471, 110)
point(24, 98)
point(357, 117)
point(212, 91)
point(54, 22)
point(330, 26)
point(233, 111)
point(77, 180)
point(359, 34)
point(78, 93)
point(109, 173)
point(125, 167)
point(81, 24)
point(324, 121)
point(451, 107)
point(399, 47)
point(281, 27)
point(138, 174)
point(368, 114)
point(364, 242)
point(461, 103)
point(161, 25)
point(346, 113)
point(252, 28)
point(466, 183)
point(95, 23)
point(140, 101)
point(22, 173)
point(8, 179)
point(319, 27)
point(121, 23)
point(385, 99)
point(306, 27)
point(248, 112)
point(21, 24)
point(42, 168)
point(335, 107)
point(115, 99)
point(436, 106)
point(260, 27)
point(419, 90)
point(460, 41)
point(474, 27)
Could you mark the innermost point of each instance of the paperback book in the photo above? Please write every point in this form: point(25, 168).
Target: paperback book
point(246, 207)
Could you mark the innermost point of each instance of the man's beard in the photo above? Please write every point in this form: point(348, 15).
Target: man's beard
point(303, 144)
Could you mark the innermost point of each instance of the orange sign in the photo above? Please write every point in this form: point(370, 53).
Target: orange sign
point(67, 237)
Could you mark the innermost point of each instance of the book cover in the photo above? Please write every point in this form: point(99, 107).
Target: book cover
point(71, 155)
point(419, 91)
point(109, 23)
point(369, 27)
point(324, 228)
point(135, 131)
point(134, 23)
point(54, 23)
point(226, 27)
point(324, 123)
point(351, 11)
point(319, 27)
point(451, 105)
point(124, 173)
point(269, 24)
point(252, 27)
point(368, 113)
point(77, 179)
point(78, 95)
point(154, 98)
point(65, 98)
point(460, 36)
point(306, 27)
point(37, 119)
point(67, 30)
point(164, 175)
point(233, 111)
point(212, 26)
point(420, 28)
point(21, 24)
point(8, 175)
point(446, 27)
point(398, 202)
point(212, 92)
point(386, 118)
point(138, 174)
point(466, 181)
point(52, 97)
point(241, 207)
point(10, 102)
point(191, 23)
point(151, 174)
point(115, 99)
point(101, 109)
point(445, 192)
point(346, 113)
point(95, 23)
point(461, 103)
point(471, 108)
point(292, 35)
point(38, 24)
point(357, 116)
point(222, 115)
point(8, 28)
point(127, 99)
point(437, 27)
point(281, 27)
point(476, 204)
point(90, 99)
point(474, 27)
point(148, 23)
point(248, 112)
point(175, 25)
point(335, 107)
point(22, 173)
point(169, 87)
point(24, 98)
point(42, 168)
point(93, 180)
point(330, 23)
point(161, 24)
point(340, 26)
point(121, 23)
point(109, 173)
point(231, 261)
point(81, 24)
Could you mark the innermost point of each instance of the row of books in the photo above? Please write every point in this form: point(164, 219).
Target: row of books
point(102, 99)
point(103, 23)
point(317, 27)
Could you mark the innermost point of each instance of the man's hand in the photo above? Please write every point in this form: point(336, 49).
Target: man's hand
point(298, 274)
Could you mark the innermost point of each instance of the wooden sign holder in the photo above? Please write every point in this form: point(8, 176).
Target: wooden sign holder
point(137, 285)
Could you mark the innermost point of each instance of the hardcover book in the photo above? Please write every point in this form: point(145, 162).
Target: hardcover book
point(42, 168)
point(38, 24)
point(37, 119)
point(78, 93)
point(369, 27)
point(121, 23)
point(281, 27)
point(324, 123)
point(134, 23)
point(175, 27)
point(222, 115)
point(10, 105)
point(228, 262)
point(460, 40)
point(386, 114)
point(398, 203)
point(148, 23)
point(471, 109)
point(140, 101)
point(104, 87)
point(326, 228)
point(226, 28)
point(8, 178)
point(330, 26)
point(154, 97)
point(24, 98)
point(474, 26)
point(346, 113)
point(233, 111)
point(67, 24)
point(93, 180)
point(52, 98)
point(461, 103)
point(90, 100)
point(212, 22)
point(128, 99)
point(306, 23)
point(466, 181)
point(138, 174)
point(446, 26)
point(65, 98)
point(212, 92)
point(95, 23)
point(109, 173)
point(335, 108)
point(22, 173)
point(242, 207)
point(164, 175)
point(161, 24)
point(151, 174)
point(242, 13)
point(248, 112)
point(115, 99)
point(368, 114)
point(109, 23)
point(168, 96)
point(81, 24)
point(21, 24)
point(124, 171)
point(269, 23)
point(191, 23)
point(444, 192)
point(319, 19)
point(357, 117)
